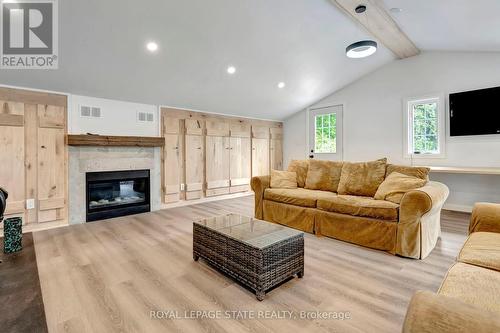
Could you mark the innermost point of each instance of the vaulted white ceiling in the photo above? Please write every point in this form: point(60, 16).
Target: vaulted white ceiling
point(450, 25)
point(300, 42)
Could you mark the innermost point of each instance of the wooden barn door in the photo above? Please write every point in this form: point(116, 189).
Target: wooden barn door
point(172, 159)
point(51, 163)
point(260, 151)
point(33, 155)
point(194, 158)
point(240, 157)
point(217, 157)
point(276, 149)
point(12, 156)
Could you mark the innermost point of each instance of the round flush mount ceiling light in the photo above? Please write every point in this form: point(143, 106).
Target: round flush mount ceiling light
point(231, 70)
point(152, 46)
point(281, 85)
point(361, 49)
point(360, 9)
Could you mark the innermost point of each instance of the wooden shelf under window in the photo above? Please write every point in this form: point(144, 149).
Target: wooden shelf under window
point(465, 170)
point(114, 141)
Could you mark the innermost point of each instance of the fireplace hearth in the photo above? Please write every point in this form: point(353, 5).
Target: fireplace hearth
point(117, 193)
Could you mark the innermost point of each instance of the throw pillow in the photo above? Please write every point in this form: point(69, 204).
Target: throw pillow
point(419, 172)
point(362, 178)
point(300, 167)
point(396, 185)
point(283, 179)
point(323, 175)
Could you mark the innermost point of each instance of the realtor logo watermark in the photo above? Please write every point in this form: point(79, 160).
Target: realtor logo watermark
point(29, 34)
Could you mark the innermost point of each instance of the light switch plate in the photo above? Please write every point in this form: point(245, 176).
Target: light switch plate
point(183, 187)
point(30, 204)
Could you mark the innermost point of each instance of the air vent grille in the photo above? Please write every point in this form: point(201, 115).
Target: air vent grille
point(90, 111)
point(96, 112)
point(145, 116)
point(85, 111)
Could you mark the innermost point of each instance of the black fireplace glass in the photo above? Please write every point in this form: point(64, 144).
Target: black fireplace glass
point(117, 193)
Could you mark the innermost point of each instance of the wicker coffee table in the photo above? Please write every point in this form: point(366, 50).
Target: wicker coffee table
point(256, 253)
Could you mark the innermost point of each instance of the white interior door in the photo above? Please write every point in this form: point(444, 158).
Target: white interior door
point(325, 133)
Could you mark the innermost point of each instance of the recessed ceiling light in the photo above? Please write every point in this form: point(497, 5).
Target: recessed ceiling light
point(396, 10)
point(231, 69)
point(281, 85)
point(152, 47)
point(361, 49)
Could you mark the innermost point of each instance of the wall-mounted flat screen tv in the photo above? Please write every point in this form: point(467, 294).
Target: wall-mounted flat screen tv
point(475, 112)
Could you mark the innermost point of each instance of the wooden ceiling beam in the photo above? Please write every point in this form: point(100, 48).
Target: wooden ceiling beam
point(377, 21)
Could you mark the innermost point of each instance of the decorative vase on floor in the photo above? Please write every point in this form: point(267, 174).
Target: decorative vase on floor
point(13, 235)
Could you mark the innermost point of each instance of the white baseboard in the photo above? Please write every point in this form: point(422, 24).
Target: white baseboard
point(183, 203)
point(458, 208)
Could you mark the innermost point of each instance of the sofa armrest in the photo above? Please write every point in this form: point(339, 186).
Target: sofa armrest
point(485, 217)
point(419, 220)
point(259, 185)
point(431, 313)
point(425, 199)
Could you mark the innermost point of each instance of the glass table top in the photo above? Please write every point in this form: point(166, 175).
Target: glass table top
point(248, 230)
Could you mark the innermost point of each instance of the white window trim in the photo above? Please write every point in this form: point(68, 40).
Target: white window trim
point(407, 126)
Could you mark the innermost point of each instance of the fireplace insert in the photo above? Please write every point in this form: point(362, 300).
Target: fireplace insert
point(117, 193)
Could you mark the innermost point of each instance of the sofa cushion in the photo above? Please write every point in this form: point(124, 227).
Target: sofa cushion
point(429, 313)
point(419, 172)
point(396, 185)
point(482, 249)
point(300, 167)
point(362, 178)
point(473, 285)
point(323, 175)
point(298, 196)
point(360, 206)
point(283, 179)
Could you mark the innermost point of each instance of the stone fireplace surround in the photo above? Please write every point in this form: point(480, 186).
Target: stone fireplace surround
point(92, 159)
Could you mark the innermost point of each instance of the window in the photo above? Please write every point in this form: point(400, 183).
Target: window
point(425, 127)
point(325, 139)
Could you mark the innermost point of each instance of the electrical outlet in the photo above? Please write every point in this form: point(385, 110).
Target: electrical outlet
point(30, 204)
point(183, 187)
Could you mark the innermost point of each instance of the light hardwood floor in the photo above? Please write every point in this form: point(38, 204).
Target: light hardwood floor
point(107, 276)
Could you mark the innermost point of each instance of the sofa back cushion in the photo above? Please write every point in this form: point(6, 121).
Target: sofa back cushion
point(362, 178)
point(283, 179)
point(419, 172)
point(396, 185)
point(323, 175)
point(300, 167)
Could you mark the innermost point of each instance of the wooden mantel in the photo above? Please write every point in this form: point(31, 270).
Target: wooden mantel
point(114, 141)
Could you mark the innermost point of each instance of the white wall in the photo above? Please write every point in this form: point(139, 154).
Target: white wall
point(373, 118)
point(118, 118)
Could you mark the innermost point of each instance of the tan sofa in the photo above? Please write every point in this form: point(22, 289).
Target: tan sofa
point(469, 297)
point(410, 229)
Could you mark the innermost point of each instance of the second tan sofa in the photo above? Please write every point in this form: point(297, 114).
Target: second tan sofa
point(410, 229)
point(469, 297)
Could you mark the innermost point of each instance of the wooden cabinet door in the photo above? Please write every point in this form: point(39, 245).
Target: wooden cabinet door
point(12, 156)
point(217, 157)
point(276, 154)
point(194, 163)
point(276, 148)
point(194, 158)
point(217, 127)
point(172, 159)
point(51, 163)
point(260, 157)
point(240, 129)
point(240, 163)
